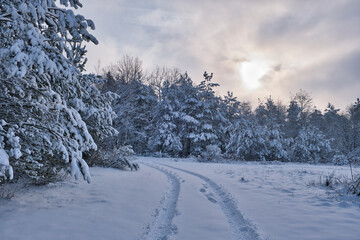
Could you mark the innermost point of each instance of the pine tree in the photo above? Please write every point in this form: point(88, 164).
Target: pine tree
point(166, 135)
point(354, 117)
point(247, 142)
point(232, 110)
point(134, 103)
point(41, 86)
point(292, 125)
point(253, 142)
point(317, 119)
point(276, 145)
point(212, 121)
point(134, 114)
point(311, 146)
point(186, 106)
point(232, 107)
point(270, 114)
point(336, 127)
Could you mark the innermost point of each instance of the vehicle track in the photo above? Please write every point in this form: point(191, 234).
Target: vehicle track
point(162, 227)
point(241, 228)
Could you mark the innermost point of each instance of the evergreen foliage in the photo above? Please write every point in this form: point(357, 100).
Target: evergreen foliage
point(48, 108)
point(311, 145)
point(184, 119)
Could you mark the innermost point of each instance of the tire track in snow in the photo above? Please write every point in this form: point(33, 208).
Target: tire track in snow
point(241, 228)
point(162, 226)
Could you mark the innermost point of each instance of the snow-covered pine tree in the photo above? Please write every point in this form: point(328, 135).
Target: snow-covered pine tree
point(251, 141)
point(317, 119)
point(336, 127)
point(212, 122)
point(232, 110)
point(270, 114)
point(185, 102)
point(276, 145)
point(298, 113)
point(189, 117)
point(311, 146)
point(354, 117)
point(261, 114)
point(247, 141)
point(166, 136)
point(271, 118)
point(292, 125)
point(95, 107)
point(134, 112)
point(134, 103)
point(41, 87)
point(232, 107)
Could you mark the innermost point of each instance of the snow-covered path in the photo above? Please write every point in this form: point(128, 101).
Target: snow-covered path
point(162, 226)
point(197, 206)
point(240, 227)
point(170, 199)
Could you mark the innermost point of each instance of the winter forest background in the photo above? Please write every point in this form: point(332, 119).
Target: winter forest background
point(55, 118)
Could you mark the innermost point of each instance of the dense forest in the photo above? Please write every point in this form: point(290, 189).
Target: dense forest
point(176, 117)
point(55, 118)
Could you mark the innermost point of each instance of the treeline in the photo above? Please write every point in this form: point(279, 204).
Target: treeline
point(165, 113)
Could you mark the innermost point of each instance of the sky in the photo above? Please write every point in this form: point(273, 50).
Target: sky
point(254, 48)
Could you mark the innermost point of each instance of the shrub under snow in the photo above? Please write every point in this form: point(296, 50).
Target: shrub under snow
point(118, 157)
point(212, 153)
point(6, 171)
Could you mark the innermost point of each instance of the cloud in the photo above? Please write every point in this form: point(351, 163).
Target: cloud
point(312, 45)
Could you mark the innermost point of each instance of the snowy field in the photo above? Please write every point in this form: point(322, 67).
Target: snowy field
point(176, 199)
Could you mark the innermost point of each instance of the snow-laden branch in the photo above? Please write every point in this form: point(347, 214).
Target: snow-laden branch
point(5, 18)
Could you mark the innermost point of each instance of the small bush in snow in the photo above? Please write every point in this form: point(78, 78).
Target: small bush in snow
point(352, 159)
point(5, 173)
point(9, 189)
point(212, 153)
point(330, 180)
point(354, 186)
point(354, 156)
point(341, 184)
point(118, 157)
point(6, 192)
point(160, 154)
point(340, 159)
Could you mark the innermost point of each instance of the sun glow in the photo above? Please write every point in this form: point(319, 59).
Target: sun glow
point(253, 71)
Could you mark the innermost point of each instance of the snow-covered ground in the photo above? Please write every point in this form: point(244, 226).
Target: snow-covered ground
point(176, 199)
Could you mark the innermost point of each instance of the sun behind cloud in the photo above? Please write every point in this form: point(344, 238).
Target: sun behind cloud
point(252, 71)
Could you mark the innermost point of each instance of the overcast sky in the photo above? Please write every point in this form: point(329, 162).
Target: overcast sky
point(285, 45)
